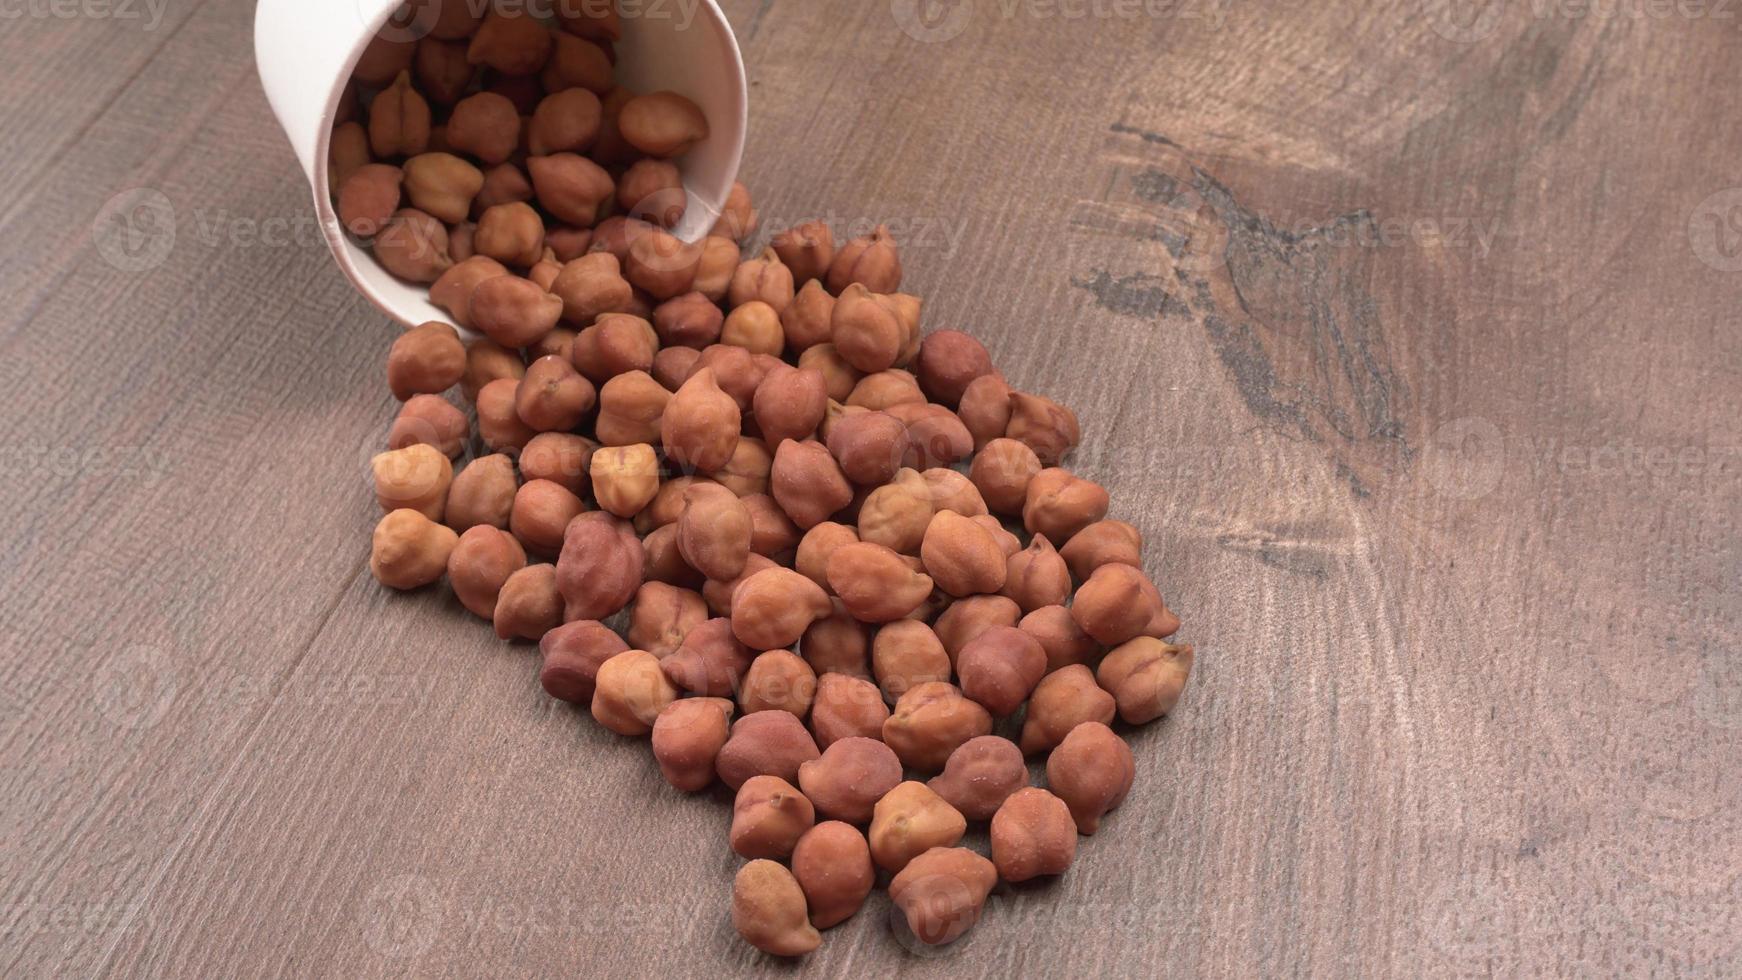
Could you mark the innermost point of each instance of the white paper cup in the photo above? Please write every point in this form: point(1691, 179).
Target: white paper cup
point(306, 50)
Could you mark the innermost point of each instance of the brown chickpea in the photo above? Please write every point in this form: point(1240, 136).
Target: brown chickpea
point(541, 512)
point(838, 644)
point(738, 218)
point(970, 617)
point(778, 680)
point(600, 566)
point(1002, 471)
point(485, 125)
point(746, 471)
point(985, 410)
point(432, 421)
point(511, 233)
point(846, 707)
point(631, 409)
point(942, 893)
point(764, 279)
point(561, 457)
point(716, 267)
point(571, 655)
point(772, 533)
point(1059, 504)
point(905, 654)
point(504, 183)
point(953, 491)
point(736, 370)
point(884, 390)
point(962, 557)
point(865, 330)
point(662, 264)
point(577, 63)
point(897, 514)
point(806, 250)
point(511, 41)
point(408, 550)
point(565, 121)
point(1047, 427)
point(874, 583)
point(689, 320)
point(1146, 677)
point(452, 291)
point(488, 361)
point(789, 404)
point(413, 246)
point(1103, 543)
point(869, 446)
point(574, 189)
point(616, 343)
point(1064, 699)
point(480, 565)
point(442, 185)
point(398, 120)
point(415, 478)
point(1092, 771)
point(948, 362)
point(653, 191)
point(672, 366)
point(348, 153)
point(837, 373)
point(980, 775)
point(873, 262)
point(936, 437)
point(368, 198)
point(769, 815)
point(700, 426)
point(1009, 543)
point(714, 531)
point(910, 820)
point(772, 743)
point(663, 563)
point(383, 58)
point(483, 493)
point(849, 778)
point(1000, 667)
point(662, 124)
point(568, 244)
point(754, 326)
point(817, 546)
point(768, 910)
point(512, 311)
point(772, 608)
point(687, 738)
point(809, 319)
point(1033, 835)
point(1118, 603)
point(552, 397)
point(808, 483)
point(719, 594)
point(710, 661)
point(528, 606)
point(625, 478)
point(930, 720)
point(630, 692)
point(1037, 576)
point(832, 864)
point(426, 360)
point(1063, 640)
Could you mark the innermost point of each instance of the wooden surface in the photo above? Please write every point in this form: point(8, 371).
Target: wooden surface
point(1406, 333)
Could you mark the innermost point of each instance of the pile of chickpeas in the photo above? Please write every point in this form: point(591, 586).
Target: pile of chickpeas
point(748, 509)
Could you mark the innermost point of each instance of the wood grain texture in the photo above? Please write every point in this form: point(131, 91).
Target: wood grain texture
point(1406, 331)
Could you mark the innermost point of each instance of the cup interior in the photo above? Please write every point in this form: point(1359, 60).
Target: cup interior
point(688, 48)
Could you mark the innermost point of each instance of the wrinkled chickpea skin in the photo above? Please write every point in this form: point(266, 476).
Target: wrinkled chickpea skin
point(630, 692)
point(910, 820)
point(769, 815)
point(1146, 677)
point(687, 738)
point(1033, 834)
